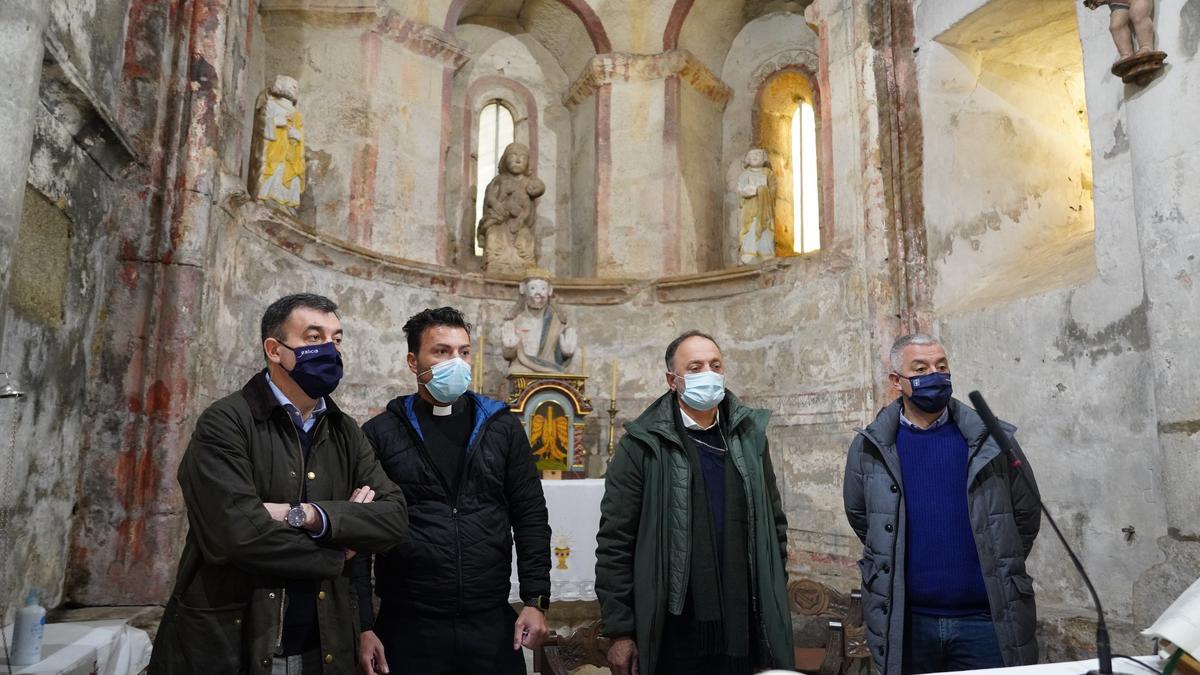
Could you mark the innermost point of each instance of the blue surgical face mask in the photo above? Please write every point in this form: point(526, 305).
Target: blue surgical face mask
point(931, 392)
point(318, 369)
point(702, 391)
point(450, 379)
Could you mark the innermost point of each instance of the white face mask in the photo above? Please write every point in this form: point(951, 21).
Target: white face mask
point(702, 391)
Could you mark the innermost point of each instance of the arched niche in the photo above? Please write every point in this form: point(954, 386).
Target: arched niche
point(519, 73)
point(779, 48)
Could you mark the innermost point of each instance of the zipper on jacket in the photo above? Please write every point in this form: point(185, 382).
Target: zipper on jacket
point(452, 497)
point(895, 540)
point(762, 623)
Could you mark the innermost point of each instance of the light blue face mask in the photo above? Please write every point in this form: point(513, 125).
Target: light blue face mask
point(450, 379)
point(702, 391)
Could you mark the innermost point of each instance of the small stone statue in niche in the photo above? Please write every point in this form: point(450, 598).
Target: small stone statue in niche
point(509, 211)
point(535, 336)
point(277, 153)
point(756, 186)
point(1130, 19)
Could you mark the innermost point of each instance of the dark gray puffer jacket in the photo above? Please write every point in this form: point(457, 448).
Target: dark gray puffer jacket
point(1004, 516)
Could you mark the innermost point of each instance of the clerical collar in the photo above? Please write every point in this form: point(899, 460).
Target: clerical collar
point(689, 423)
point(440, 410)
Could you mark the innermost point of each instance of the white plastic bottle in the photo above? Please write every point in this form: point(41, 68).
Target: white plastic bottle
point(28, 631)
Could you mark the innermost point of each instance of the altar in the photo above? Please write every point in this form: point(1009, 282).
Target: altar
point(574, 507)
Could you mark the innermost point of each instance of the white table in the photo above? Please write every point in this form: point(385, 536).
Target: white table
point(1074, 668)
point(110, 647)
point(574, 507)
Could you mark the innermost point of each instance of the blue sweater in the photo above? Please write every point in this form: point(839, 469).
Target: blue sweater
point(942, 573)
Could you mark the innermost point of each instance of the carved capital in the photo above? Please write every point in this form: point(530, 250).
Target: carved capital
point(623, 67)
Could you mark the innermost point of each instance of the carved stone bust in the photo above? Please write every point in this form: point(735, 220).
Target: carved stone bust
point(535, 336)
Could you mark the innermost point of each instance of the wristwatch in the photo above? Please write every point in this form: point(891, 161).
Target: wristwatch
point(296, 516)
point(541, 602)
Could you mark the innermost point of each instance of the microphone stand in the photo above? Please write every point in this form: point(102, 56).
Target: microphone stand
point(1009, 446)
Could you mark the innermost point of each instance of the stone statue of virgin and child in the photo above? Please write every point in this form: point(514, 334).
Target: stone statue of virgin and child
point(509, 211)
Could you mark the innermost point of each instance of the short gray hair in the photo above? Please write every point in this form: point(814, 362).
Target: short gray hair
point(896, 354)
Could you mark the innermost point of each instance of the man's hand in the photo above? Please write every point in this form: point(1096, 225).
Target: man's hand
point(530, 630)
point(623, 657)
point(370, 654)
point(362, 495)
point(278, 511)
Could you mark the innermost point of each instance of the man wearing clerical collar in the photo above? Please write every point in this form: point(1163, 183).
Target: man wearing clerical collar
point(691, 557)
point(464, 463)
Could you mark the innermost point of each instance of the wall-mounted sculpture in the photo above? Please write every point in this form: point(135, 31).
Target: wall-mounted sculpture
point(535, 336)
point(1132, 20)
point(509, 212)
point(277, 152)
point(756, 187)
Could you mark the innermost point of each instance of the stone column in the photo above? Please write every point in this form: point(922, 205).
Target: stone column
point(21, 27)
point(649, 221)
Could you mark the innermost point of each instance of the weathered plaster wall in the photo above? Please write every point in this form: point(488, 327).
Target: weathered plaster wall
point(72, 180)
point(1007, 126)
point(96, 54)
point(1056, 333)
point(372, 90)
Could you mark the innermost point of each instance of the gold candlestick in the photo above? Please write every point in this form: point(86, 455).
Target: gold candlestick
point(477, 375)
point(612, 428)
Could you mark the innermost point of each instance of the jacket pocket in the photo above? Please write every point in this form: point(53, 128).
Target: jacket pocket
point(211, 636)
point(866, 568)
point(1024, 584)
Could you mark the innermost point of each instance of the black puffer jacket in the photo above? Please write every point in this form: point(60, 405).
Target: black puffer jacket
point(456, 556)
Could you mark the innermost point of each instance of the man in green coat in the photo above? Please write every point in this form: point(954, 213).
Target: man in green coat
point(281, 489)
point(691, 557)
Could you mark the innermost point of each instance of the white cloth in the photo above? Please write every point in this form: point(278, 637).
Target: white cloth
point(110, 647)
point(1180, 623)
point(574, 507)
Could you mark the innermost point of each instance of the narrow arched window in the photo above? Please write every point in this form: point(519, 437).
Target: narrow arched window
point(786, 126)
point(806, 209)
point(495, 133)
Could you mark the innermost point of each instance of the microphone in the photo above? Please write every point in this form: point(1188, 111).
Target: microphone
point(1010, 447)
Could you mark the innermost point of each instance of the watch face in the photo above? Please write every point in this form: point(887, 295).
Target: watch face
point(295, 516)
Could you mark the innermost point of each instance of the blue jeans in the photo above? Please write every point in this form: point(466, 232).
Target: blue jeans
point(934, 644)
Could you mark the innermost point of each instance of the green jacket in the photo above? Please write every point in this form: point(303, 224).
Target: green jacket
point(225, 614)
point(643, 547)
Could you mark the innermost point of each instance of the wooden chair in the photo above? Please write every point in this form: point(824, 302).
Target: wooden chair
point(561, 654)
point(845, 651)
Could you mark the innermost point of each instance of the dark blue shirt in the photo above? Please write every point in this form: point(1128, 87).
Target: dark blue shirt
point(710, 446)
point(942, 572)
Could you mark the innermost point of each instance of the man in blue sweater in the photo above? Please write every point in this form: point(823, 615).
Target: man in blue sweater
point(946, 524)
